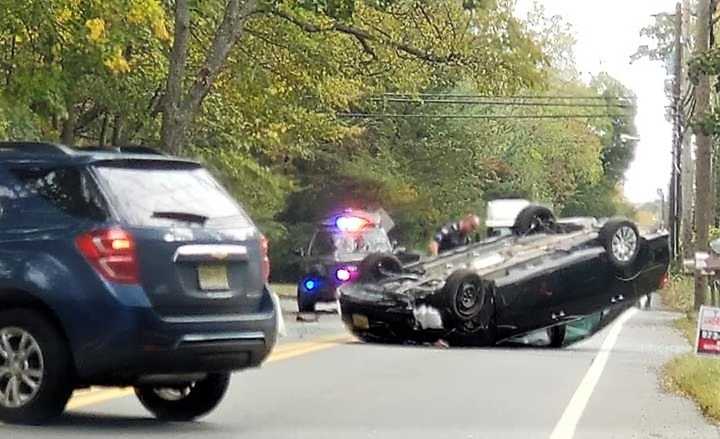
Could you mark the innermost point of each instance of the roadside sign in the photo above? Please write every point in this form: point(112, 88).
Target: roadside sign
point(708, 331)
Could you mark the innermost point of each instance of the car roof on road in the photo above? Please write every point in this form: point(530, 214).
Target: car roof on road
point(54, 153)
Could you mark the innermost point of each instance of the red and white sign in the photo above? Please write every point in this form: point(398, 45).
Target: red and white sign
point(708, 332)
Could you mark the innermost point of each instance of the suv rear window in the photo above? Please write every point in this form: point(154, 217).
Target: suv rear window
point(162, 193)
point(70, 190)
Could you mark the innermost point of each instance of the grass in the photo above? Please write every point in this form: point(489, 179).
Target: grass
point(285, 290)
point(695, 377)
point(679, 295)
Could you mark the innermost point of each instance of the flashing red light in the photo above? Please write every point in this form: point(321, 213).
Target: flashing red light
point(112, 253)
point(351, 224)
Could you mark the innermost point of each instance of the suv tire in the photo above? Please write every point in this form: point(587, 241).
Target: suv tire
point(185, 403)
point(32, 350)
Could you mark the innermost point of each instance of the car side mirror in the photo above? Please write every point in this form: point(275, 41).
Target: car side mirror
point(394, 243)
point(299, 252)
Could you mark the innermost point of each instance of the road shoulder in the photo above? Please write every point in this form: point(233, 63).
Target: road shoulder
point(630, 400)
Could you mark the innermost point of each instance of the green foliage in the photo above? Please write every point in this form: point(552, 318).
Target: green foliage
point(94, 71)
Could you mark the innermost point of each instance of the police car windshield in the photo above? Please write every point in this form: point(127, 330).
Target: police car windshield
point(369, 241)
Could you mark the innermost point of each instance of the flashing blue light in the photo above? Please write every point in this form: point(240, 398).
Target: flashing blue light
point(311, 284)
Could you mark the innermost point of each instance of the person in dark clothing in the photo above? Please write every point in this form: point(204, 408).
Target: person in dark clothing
point(455, 234)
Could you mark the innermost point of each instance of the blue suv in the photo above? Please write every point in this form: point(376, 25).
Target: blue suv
point(124, 267)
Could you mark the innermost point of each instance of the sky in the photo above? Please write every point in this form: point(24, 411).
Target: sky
point(608, 33)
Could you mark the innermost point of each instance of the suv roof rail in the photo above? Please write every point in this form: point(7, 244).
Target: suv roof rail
point(139, 149)
point(39, 148)
point(132, 149)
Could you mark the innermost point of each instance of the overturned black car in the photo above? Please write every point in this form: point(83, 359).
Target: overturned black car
point(546, 274)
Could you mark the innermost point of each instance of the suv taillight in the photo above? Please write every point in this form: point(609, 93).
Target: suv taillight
point(265, 258)
point(112, 253)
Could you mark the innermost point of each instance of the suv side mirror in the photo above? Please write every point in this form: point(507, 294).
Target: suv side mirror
point(394, 243)
point(299, 252)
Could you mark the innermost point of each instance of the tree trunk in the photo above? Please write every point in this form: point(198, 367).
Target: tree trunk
point(103, 130)
point(67, 136)
point(704, 150)
point(176, 74)
point(118, 126)
point(179, 109)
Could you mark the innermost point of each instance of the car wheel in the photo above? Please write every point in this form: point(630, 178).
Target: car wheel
point(35, 368)
point(464, 295)
point(468, 309)
point(187, 402)
point(556, 334)
point(305, 304)
point(621, 240)
point(534, 219)
point(376, 266)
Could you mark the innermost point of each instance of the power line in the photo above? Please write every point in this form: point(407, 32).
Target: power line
point(490, 103)
point(473, 116)
point(480, 96)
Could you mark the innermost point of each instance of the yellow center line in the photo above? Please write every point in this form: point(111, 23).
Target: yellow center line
point(84, 398)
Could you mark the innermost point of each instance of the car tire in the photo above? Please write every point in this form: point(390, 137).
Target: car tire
point(621, 240)
point(375, 265)
point(171, 404)
point(463, 295)
point(305, 304)
point(556, 334)
point(44, 353)
point(533, 218)
point(467, 306)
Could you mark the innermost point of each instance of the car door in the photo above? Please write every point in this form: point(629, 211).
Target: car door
point(587, 283)
point(525, 298)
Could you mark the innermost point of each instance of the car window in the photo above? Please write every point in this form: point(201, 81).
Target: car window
point(70, 190)
point(371, 240)
point(160, 193)
point(322, 244)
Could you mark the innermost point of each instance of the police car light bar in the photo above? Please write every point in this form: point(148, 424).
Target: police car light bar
point(351, 224)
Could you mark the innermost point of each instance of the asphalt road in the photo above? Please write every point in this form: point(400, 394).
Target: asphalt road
point(322, 384)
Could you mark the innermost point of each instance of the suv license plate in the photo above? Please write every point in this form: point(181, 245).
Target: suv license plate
point(213, 277)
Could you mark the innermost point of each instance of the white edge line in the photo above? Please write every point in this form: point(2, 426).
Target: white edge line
point(565, 427)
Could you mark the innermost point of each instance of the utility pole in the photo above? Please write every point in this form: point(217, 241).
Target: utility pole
point(687, 167)
point(703, 162)
point(661, 213)
point(675, 194)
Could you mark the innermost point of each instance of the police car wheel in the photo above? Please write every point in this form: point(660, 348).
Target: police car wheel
point(305, 304)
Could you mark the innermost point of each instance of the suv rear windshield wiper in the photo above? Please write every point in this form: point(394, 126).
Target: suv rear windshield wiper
point(182, 216)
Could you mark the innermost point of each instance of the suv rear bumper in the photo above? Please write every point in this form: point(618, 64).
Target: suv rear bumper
point(143, 343)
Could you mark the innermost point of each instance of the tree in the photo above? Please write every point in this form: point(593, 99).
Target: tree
point(413, 29)
point(68, 61)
